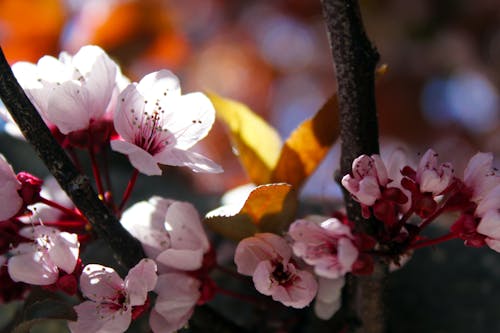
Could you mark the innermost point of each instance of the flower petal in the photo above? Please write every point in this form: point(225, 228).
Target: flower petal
point(64, 252)
point(100, 283)
point(196, 162)
point(139, 158)
point(140, 280)
point(96, 317)
point(32, 267)
point(9, 185)
point(184, 260)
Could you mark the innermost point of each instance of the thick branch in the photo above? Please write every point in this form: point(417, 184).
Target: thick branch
point(127, 249)
point(355, 59)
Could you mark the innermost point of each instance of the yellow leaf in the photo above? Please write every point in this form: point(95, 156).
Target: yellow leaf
point(308, 144)
point(268, 208)
point(257, 143)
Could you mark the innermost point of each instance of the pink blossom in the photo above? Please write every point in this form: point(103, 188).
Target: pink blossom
point(71, 92)
point(158, 126)
point(368, 175)
point(178, 294)
point(267, 258)
point(489, 224)
point(170, 232)
point(480, 176)
point(326, 245)
point(9, 187)
point(39, 262)
point(112, 300)
point(432, 177)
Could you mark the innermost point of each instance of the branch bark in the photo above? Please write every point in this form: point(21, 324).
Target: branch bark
point(355, 59)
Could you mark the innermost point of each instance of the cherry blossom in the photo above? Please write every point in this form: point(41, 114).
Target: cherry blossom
point(158, 125)
point(480, 176)
point(489, 212)
point(326, 245)
point(170, 232)
point(39, 262)
point(112, 301)
point(432, 177)
point(368, 175)
point(72, 92)
point(178, 295)
point(9, 187)
point(268, 259)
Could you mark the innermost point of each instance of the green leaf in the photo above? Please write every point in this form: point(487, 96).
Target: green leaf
point(257, 143)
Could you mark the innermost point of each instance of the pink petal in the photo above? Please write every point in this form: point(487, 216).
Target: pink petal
point(479, 175)
point(490, 224)
point(491, 201)
point(381, 170)
point(330, 290)
point(140, 280)
point(347, 254)
point(9, 185)
point(369, 191)
point(262, 278)
point(265, 246)
point(145, 221)
point(100, 75)
point(196, 162)
point(195, 119)
point(177, 297)
point(96, 317)
point(100, 283)
point(64, 252)
point(185, 260)
point(32, 267)
point(184, 225)
point(159, 324)
point(139, 158)
point(129, 108)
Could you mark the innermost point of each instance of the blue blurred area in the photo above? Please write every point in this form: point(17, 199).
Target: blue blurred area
point(466, 98)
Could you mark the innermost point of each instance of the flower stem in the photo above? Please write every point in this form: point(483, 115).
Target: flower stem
point(95, 169)
point(63, 209)
point(128, 190)
point(432, 242)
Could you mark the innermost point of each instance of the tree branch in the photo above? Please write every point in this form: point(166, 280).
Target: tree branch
point(355, 59)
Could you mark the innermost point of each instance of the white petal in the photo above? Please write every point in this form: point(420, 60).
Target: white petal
point(145, 221)
point(64, 252)
point(32, 268)
point(67, 107)
point(128, 112)
point(196, 162)
point(100, 78)
point(184, 225)
point(140, 280)
point(100, 283)
point(159, 85)
point(192, 119)
point(184, 260)
point(9, 185)
point(138, 157)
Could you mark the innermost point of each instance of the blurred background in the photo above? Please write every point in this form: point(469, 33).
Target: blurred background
point(441, 90)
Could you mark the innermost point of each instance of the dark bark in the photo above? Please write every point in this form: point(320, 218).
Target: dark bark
point(355, 59)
